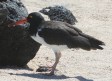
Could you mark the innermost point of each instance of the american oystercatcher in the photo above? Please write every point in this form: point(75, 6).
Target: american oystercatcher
point(59, 36)
point(59, 13)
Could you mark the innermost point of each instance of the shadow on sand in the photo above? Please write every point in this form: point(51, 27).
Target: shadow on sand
point(80, 78)
point(16, 67)
point(42, 76)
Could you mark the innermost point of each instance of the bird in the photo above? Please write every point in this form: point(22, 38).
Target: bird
point(59, 36)
point(59, 13)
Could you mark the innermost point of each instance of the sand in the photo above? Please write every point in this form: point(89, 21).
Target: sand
point(94, 18)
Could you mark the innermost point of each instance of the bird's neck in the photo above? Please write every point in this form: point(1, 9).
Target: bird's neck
point(33, 29)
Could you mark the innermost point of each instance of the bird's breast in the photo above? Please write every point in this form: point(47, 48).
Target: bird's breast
point(38, 39)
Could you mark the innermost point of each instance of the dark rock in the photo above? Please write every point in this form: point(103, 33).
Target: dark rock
point(16, 46)
point(2, 0)
point(59, 13)
point(3, 15)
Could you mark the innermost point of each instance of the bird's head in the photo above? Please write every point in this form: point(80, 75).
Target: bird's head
point(34, 19)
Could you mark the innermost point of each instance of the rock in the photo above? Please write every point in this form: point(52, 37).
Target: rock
point(3, 15)
point(59, 13)
point(16, 46)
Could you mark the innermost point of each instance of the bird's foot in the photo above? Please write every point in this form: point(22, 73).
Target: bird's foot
point(44, 69)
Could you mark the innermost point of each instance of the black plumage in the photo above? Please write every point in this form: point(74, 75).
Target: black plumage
point(59, 13)
point(60, 35)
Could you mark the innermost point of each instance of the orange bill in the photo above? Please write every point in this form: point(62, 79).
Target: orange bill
point(22, 21)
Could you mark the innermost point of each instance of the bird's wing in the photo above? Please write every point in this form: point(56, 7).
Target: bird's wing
point(59, 33)
point(62, 26)
point(55, 35)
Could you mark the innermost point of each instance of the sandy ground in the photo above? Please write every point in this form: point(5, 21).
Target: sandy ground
point(95, 18)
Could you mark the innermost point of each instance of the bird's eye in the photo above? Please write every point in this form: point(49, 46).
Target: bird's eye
point(30, 16)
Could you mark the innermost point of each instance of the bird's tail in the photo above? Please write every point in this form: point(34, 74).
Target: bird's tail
point(95, 43)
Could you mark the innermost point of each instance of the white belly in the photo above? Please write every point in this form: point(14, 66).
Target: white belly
point(40, 40)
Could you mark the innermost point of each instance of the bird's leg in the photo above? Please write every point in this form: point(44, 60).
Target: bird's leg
point(57, 57)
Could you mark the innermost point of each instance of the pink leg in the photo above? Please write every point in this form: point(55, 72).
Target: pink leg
point(57, 57)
